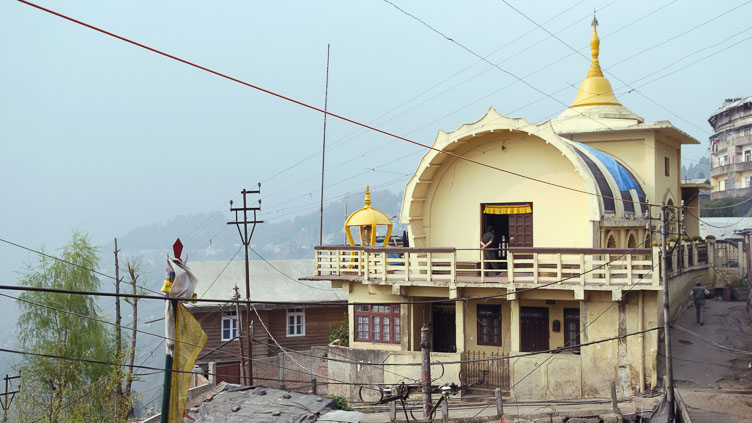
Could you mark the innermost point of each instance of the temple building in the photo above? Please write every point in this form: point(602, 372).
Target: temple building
point(525, 241)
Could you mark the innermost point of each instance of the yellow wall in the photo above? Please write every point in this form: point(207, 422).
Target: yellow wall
point(452, 211)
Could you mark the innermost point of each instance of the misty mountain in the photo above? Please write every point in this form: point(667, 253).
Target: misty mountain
point(699, 170)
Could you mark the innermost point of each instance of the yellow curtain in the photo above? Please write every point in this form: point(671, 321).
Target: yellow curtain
point(515, 209)
point(187, 328)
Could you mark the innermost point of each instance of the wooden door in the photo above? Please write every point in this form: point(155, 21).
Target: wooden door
point(521, 230)
point(229, 373)
point(533, 329)
point(444, 328)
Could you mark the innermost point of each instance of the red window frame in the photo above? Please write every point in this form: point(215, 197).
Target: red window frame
point(377, 323)
point(489, 324)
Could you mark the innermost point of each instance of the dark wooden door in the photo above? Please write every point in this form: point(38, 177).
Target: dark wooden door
point(229, 373)
point(533, 329)
point(521, 230)
point(444, 328)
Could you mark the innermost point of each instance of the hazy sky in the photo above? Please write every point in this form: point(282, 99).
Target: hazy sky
point(105, 136)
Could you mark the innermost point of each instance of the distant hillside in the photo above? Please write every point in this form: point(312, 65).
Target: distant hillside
point(699, 170)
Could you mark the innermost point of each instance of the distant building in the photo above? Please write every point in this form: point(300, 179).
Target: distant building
point(731, 149)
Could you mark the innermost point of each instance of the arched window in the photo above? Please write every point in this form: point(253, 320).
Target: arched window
point(631, 241)
point(610, 240)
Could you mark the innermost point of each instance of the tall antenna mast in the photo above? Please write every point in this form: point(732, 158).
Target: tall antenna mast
point(323, 151)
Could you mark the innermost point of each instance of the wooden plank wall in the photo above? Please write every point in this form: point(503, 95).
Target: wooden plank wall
point(318, 320)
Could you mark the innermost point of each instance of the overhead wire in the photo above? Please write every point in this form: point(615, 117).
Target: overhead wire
point(334, 115)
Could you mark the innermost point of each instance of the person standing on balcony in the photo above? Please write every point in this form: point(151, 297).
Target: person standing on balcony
point(698, 294)
point(488, 253)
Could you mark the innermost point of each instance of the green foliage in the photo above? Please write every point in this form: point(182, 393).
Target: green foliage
point(340, 402)
point(55, 390)
point(709, 208)
point(340, 331)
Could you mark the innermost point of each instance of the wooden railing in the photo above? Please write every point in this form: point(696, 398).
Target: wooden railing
point(569, 266)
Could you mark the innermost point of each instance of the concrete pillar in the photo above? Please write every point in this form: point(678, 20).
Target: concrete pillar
point(740, 258)
point(514, 325)
point(213, 372)
point(404, 324)
point(459, 323)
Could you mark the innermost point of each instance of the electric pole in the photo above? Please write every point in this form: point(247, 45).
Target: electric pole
point(8, 396)
point(667, 316)
point(425, 374)
point(245, 238)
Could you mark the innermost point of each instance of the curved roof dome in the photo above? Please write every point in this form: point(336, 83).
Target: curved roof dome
point(368, 216)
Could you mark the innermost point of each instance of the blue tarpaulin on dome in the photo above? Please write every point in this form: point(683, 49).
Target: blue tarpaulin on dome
point(623, 178)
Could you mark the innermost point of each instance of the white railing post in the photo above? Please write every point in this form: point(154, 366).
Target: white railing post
point(453, 265)
point(510, 266)
point(482, 267)
point(364, 263)
point(629, 269)
point(384, 257)
point(535, 268)
point(407, 266)
point(429, 267)
point(607, 268)
point(656, 264)
point(558, 266)
point(582, 269)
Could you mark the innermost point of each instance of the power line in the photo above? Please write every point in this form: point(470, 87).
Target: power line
point(334, 115)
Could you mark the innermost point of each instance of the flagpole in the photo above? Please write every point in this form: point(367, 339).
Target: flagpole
point(167, 384)
point(177, 250)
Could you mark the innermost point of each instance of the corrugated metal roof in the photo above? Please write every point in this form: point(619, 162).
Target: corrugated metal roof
point(273, 281)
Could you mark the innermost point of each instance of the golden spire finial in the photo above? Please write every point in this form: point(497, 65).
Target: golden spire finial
point(367, 201)
point(595, 42)
point(595, 89)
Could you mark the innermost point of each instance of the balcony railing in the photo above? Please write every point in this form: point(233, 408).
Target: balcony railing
point(533, 266)
point(733, 167)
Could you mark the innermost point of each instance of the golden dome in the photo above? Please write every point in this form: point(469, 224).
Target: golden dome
point(367, 218)
point(595, 88)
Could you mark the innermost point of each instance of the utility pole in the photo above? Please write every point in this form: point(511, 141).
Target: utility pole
point(5, 401)
point(241, 345)
point(667, 316)
point(118, 333)
point(679, 233)
point(425, 373)
point(323, 150)
point(245, 238)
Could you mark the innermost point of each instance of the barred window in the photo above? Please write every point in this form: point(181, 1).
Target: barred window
point(489, 324)
point(377, 323)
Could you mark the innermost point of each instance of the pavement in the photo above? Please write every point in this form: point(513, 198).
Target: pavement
point(714, 384)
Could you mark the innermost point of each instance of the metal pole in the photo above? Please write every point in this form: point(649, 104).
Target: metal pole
point(425, 374)
point(323, 151)
point(245, 329)
point(679, 231)
point(667, 317)
point(167, 383)
point(241, 346)
point(499, 403)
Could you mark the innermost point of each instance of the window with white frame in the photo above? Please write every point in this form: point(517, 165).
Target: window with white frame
point(229, 325)
point(295, 322)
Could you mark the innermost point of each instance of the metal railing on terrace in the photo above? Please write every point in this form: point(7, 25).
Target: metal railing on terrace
point(534, 266)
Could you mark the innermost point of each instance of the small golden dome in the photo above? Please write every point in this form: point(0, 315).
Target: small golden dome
point(367, 218)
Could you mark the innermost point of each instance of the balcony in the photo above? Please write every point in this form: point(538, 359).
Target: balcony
point(733, 167)
point(557, 268)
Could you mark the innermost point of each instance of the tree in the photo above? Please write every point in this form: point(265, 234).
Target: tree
point(56, 390)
